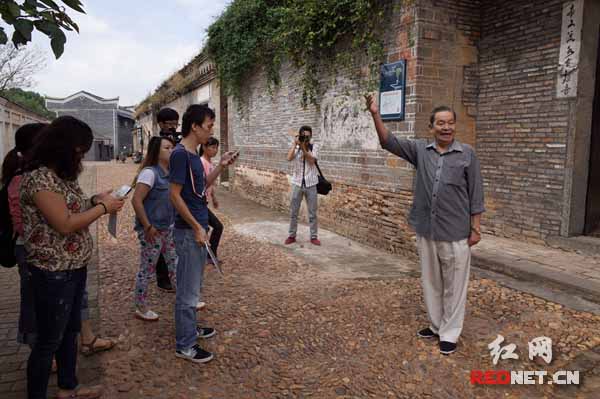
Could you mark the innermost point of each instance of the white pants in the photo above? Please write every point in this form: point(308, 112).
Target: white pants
point(445, 276)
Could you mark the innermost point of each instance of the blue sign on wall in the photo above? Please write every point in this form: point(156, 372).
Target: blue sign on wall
point(392, 91)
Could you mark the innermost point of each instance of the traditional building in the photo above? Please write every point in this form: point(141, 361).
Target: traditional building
point(13, 116)
point(112, 124)
point(524, 78)
point(195, 83)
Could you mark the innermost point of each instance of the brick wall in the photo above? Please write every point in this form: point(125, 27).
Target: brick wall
point(521, 127)
point(372, 189)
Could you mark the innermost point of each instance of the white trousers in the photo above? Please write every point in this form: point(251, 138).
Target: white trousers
point(445, 270)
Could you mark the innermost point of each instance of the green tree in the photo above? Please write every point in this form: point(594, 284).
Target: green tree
point(30, 100)
point(46, 16)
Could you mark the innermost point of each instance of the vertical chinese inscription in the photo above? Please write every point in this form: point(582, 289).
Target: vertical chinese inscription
point(570, 45)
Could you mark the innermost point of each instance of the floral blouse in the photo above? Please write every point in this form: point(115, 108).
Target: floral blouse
point(47, 248)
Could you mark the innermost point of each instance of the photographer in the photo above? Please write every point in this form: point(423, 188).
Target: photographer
point(305, 177)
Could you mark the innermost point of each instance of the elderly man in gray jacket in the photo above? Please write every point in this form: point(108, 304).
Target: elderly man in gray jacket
point(446, 215)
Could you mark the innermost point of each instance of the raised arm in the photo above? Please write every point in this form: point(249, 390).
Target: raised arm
point(404, 148)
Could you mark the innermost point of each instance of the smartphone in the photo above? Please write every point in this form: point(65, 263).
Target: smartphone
point(122, 191)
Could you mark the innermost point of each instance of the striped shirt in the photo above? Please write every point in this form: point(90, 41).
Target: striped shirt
point(311, 175)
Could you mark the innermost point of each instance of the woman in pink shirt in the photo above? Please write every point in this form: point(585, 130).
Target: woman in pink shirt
point(207, 152)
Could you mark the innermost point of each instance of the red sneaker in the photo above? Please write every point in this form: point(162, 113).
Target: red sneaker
point(315, 241)
point(290, 240)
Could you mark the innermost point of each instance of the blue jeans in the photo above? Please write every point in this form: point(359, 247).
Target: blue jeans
point(190, 272)
point(57, 298)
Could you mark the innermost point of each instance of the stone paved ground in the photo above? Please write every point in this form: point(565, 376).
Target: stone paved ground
point(288, 329)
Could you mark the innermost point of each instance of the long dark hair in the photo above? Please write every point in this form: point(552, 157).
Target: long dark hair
point(15, 160)
point(211, 141)
point(151, 158)
point(61, 147)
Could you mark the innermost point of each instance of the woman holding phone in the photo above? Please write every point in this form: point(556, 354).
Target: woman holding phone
point(56, 217)
point(154, 221)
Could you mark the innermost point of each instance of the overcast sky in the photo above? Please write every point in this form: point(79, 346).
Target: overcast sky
point(126, 48)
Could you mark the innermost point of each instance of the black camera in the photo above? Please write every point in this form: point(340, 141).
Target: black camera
point(302, 138)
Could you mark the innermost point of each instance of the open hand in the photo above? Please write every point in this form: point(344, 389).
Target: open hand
point(371, 104)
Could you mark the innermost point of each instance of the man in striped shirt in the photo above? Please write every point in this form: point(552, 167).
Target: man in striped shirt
point(303, 156)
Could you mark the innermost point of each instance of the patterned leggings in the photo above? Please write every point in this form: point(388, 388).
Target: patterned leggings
point(150, 251)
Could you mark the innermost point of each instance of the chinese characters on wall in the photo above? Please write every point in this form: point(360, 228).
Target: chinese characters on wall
point(570, 45)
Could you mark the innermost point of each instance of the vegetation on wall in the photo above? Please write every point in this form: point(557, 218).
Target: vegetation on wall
point(29, 100)
point(311, 34)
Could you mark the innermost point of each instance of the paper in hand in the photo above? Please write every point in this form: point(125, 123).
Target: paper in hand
point(213, 258)
point(112, 224)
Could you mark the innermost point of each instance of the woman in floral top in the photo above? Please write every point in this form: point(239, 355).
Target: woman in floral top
point(56, 217)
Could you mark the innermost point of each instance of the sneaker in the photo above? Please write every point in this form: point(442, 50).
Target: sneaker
point(205, 332)
point(148, 315)
point(315, 241)
point(447, 348)
point(290, 240)
point(427, 333)
point(200, 305)
point(195, 354)
point(166, 286)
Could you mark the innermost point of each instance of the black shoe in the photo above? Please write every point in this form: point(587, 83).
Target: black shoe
point(447, 348)
point(205, 332)
point(195, 354)
point(166, 286)
point(427, 333)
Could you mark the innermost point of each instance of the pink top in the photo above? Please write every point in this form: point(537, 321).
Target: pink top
point(208, 167)
point(14, 204)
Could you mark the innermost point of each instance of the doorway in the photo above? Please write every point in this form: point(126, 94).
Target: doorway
point(592, 211)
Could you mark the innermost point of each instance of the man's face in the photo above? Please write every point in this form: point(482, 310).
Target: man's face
point(203, 131)
point(169, 126)
point(443, 127)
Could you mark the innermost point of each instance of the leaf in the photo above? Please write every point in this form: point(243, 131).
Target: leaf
point(58, 43)
point(46, 27)
point(18, 39)
point(51, 4)
point(25, 27)
point(75, 5)
point(3, 37)
point(13, 8)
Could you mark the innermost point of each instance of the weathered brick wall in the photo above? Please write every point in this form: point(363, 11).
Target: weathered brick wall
point(522, 128)
point(372, 189)
point(447, 73)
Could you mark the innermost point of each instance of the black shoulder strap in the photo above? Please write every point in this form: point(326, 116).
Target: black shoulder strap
point(319, 169)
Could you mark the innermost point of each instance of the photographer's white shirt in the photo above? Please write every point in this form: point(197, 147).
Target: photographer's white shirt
point(311, 175)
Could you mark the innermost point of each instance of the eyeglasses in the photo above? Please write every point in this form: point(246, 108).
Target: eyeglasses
point(171, 124)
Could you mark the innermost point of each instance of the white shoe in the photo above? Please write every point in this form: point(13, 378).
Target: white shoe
point(148, 315)
point(200, 305)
